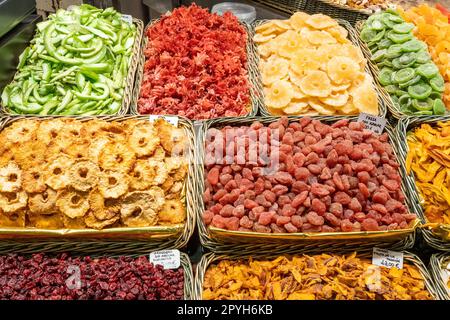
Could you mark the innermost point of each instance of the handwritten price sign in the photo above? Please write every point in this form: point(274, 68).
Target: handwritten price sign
point(387, 258)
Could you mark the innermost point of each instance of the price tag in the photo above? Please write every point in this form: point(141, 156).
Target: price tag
point(373, 123)
point(170, 119)
point(127, 18)
point(387, 258)
point(169, 259)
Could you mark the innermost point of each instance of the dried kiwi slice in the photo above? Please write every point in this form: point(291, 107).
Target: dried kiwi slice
point(403, 28)
point(428, 70)
point(379, 55)
point(422, 105)
point(412, 45)
point(414, 80)
point(394, 51)
point(385, 44)
point(438, 107)
point(404, 75)
point(423, 57)
point(385, 76)
point(437, 83)
point(419, 91)
point(400, 37)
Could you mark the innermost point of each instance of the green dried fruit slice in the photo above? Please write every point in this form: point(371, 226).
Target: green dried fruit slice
point(403, 28)
point(437, 83)
point(400, 37)
point(391, 89)
point(404, 75)
point(419, 91)
point(423, 57)
point(438, 107)
point(422, 105)
point(379, 55)
point(412, 45)
point(414, 80)
point(394, 51)
point(428, 70)
point(385, 44)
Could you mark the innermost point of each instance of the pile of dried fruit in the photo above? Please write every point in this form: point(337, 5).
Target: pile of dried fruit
point(308, 66)
point(433, 27)
point(320, 277)
point(196, 66)
point(372, 5)
point(429, 160)
point(406, 70)
point(324, 178)
point(43, 277)
point(64, 173)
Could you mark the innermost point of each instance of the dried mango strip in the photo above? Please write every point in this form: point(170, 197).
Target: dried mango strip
point(429, 160)
point(434, 29)
point(320, 277)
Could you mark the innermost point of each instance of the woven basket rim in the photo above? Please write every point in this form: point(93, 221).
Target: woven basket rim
point(211, 258)
point(436, 270)
point(129, 82)
point(184, 233)
point(345, 7)
point(216, 244)
point(254, 91)
point(353, 38)
point(403, 127)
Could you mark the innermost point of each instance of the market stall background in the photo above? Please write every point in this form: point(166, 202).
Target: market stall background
point(19, 33)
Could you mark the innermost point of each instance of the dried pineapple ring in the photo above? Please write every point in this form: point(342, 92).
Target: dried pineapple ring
point(142, 175)
point(305, 59)
point(161, 172)
point(10, 178)
point(84, 175)
point(13, 201)
point(173, 140)
point(320, 37)
point(168, 184)
point(138, 208)
point(33, 180)
point(296, 107)
point(173, 211)
point(73, 131)
point(174, 163)
point(320, 108)
point(298, 20)
point(20, 131)
point(298, 93)
point(282, 24)
point(264, 50)
point(342, 70)
point(94, 128)
point(49, 130)
point(113, 184)
point(78, 150)
point(316, 83)
point(272, 111)
point(259, 38)
point(348, 109)
point(103, 209)
point(76, 223)
point(5, 157)
point(338, 99)
point(73, 203)
point(365, 99)
point(279, 94)
point(265, 26)
point(289, 45)
point(43, 203)
point(354, 53)
point(92, 222)
point(321, 21)
point(143, 139)
point(159, 154)
point(46, 221)
point(273, 70)
point(56, 173)
point(13, 220)
point(339, 33)
point(327, 52)
point(176, 188)
point(341, 87)
point(296, 79)
point(96, 146)
point(181, 173)
point(29, 154)
point(116, 156)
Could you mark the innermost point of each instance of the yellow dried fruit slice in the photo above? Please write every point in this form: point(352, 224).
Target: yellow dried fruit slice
point(297, 107)
point(342, 69)
point(320, 107)
point(354, 53)
point(282, 24)
point(264, 50)
point(264, 26)
point(275, 112)
point(298, 20)
point(320, 21)
point(279, 94)
point(360, 79)
point(289, 43)
point(341, 87)
point(296, 78)
point(348, 109)
point(365, 99)
point(305, 59)
point(339, 33)
point(327, 52)
point(336, 99)
point(320, 37)
point(316, 83)
point(259, 38)
point(298, 93)
point(274, 69)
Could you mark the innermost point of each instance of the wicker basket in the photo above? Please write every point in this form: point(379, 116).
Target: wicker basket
point(129, 82)
point(353, 37)
point(335, 10)
point(438, 263)
point(436, 236)
point(224, 241)
point(140, 239)
point(211, 258)
point(185, 263)
point(252, 66)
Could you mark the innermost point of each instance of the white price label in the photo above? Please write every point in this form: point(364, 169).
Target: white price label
point(127, 18)
point(387, 258)
point(373, 123)
point(170, 119)
point(169, 259)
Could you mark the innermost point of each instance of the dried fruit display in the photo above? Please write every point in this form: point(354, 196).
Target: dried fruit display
point(42, 277)
point(77, 64)
point(321, 178)
point(308, 66)
point(429, 159)
point(195, 66)
point(406, 70)
point(433, 27)
point(317, 277)
point(370, 5)
point(65, 173)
